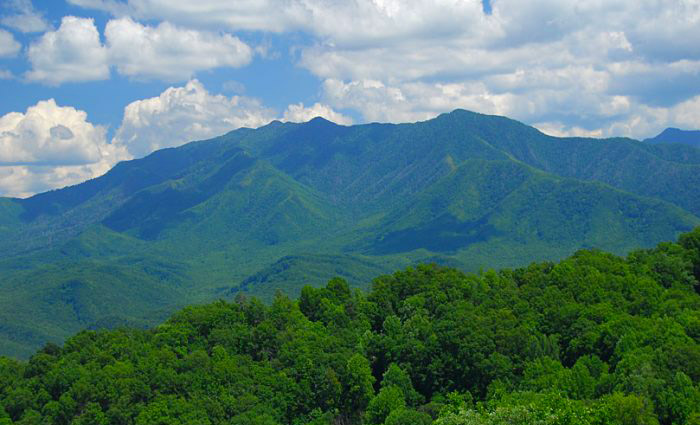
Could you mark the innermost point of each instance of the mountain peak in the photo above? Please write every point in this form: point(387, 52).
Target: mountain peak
point(676, 135)
point(671, 132)
point(467, 114)
point(320, 121)
point(459, 113)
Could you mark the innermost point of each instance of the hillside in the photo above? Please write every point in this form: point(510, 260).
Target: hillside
point(594, 339)
point(288, 204)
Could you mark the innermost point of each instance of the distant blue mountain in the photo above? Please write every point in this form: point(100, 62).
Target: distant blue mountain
point(675, 135)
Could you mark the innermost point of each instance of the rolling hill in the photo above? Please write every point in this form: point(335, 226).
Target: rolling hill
point(257, 210)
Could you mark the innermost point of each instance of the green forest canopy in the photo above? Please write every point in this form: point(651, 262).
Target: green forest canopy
point(593, 339)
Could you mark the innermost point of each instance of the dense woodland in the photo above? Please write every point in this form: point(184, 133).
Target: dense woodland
point(593, 339)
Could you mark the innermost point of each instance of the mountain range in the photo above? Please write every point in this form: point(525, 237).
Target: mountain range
point(288, 204)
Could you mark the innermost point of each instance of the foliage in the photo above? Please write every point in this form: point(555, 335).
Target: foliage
point(595, 339)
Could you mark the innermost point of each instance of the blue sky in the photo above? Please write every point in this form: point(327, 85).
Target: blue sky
point(87, 83)
point(275, 80)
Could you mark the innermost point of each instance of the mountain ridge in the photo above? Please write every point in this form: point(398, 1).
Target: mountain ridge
point(295, 203)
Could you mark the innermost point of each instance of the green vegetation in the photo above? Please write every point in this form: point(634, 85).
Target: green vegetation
point(290, 204)
point(594, 339)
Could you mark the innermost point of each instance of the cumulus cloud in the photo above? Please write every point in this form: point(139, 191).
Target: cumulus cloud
point(70, 54)
point(49, 134)
point(589, 66)
point(356, 22)
point(298, 113)
point(266, 15)
point(8, 45)
point(114, 7)
point(24, 17)
point(183, 114)
point(578, 67)
point(411, 101)
point(574, 68)
point(75, 53)
point(168, 52)
point(658, 83)
point(51, 146)
point(22, 181)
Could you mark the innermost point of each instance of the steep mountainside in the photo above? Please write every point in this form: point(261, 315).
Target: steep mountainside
point(289, 204)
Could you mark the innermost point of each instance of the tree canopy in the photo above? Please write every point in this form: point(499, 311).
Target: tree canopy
point(593, 339)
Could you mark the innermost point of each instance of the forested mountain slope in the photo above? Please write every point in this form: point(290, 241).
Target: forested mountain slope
point(593, 339)
point(289, 204)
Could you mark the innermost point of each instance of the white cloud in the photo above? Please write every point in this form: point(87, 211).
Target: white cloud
point(6, 75)
point(638, 121)
point(592, 67)
point(686, 114)
point(170, 53)
point(8, 45)
point(411, 101)
point(49, 134)
point(183, 114)
point(357, 22)
point(558, 129)
point(582, 68)
point(298, 113)
point(575, 68)
point(266, 15)
point(115, 7)
point(70, 54)
point(51, 146)
point(75, 53)
point(22, 181)
point(25, 19)
point(645, 121)
point(655, 84)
